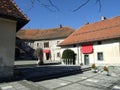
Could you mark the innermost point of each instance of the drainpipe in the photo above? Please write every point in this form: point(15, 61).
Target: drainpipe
point(119, 49)
point(94, 55)
point(78, 54)
point(81, 57)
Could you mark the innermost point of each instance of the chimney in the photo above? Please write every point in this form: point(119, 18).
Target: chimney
point(61, 26)
point(86, 23)
point(103, 18)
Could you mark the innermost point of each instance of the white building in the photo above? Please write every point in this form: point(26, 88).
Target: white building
point(11, 20)
point(97, 43)
point(47, 39)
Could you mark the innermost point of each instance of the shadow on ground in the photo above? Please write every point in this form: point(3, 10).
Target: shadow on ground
point(39, 73)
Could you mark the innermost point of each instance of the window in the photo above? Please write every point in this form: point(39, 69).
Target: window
point(46, 44)
point(37, 44)
point(58, 54)
point(58, 42)
point(100, 56)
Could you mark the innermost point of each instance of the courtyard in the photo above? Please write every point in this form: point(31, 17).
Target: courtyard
point(86, 80)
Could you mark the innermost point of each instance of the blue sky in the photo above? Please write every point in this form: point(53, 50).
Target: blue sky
point(42, 18)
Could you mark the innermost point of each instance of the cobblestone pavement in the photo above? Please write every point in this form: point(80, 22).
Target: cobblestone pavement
point(85, 81)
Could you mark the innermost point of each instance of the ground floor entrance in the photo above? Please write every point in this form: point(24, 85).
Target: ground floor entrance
point(86, 59)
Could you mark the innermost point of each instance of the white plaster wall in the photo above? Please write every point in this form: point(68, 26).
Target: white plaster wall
point(7, 46)
point(55, 49)
point(52, 46)
point(111, 53)
point(110, 49)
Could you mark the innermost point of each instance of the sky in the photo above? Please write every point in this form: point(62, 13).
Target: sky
point(43, 18)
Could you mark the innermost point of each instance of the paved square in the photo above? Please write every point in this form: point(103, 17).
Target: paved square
point(77, 87)
point(100, 81)
point(116, 87)
point(102, 84)
point(85, 81)
point(73, 78)
point(54, 83)
point(78, 77)
point(13, 86)
point(107, 78)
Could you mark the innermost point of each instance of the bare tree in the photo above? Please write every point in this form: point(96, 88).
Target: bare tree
point(52, 7)
point(85, 3)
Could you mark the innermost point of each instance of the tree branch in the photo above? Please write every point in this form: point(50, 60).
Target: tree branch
point(54, 5)
point(46, 6)
point(99, 1)
point(32, 1)
point(31, 5)
point(81, 6)
point(55, 8)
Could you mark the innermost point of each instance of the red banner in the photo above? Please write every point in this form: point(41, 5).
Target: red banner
point(47, 51)
point(87, 49)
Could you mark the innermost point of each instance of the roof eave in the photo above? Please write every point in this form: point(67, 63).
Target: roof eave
point(20, 22)
point(89, 41)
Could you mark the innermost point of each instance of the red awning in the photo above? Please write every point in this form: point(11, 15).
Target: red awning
point(87, 49)
point(47, 51)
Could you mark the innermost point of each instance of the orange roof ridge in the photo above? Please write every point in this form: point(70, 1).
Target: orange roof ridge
point(102, 20)
point(45, 34)
point(102, 30)
point(98, 29)
point(49, 28)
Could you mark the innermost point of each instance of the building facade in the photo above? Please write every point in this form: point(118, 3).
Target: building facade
point(47, 39)
point(97, 43)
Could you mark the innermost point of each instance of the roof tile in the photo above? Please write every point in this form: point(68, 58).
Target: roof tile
point(102, 30)
point(38, 34)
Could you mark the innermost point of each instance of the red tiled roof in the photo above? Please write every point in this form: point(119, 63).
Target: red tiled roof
point(106, 29)
point(38, 34)
point(8, 9)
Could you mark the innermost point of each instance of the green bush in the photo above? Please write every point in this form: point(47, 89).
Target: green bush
point(68, 56)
